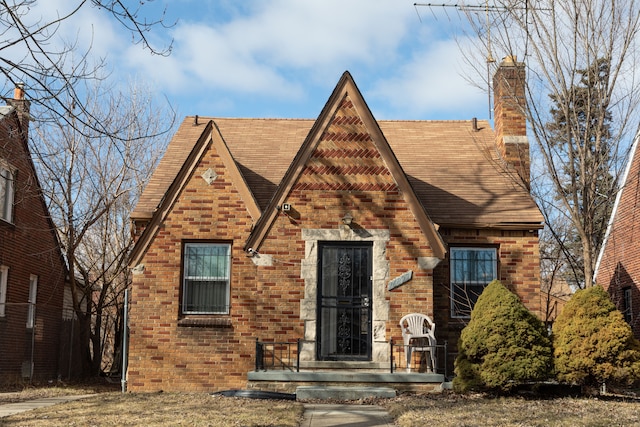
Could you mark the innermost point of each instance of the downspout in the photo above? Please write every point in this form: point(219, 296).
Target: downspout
point(33, 344)
point(125, 332)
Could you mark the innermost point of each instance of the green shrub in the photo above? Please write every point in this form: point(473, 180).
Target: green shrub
point(502, 346)
point(593, 344)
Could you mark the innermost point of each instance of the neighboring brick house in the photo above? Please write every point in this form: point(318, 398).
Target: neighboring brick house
point(328, 231)
point(32, 270)
point(618, 265)
point(554, 296)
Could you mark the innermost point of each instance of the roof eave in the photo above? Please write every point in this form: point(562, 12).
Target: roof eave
point(141, 216)
point(529, 226)
point(266, 220)
point(158, 215)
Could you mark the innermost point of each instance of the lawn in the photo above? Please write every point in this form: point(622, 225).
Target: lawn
point(162, 409)
point(476, 410)
point(201, 409)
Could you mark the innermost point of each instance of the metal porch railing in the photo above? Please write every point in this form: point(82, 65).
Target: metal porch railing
point(277, 356)
point(285, 356)
point(419, 359)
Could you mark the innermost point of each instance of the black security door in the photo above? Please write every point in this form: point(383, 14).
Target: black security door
point(344, 302)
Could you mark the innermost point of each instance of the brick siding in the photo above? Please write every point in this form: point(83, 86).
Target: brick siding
point(620, 262)
point(27, 246)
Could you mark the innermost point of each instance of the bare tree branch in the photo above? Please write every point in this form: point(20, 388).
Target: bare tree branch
point(91, 181)
point(559, 41)
point(34, 52)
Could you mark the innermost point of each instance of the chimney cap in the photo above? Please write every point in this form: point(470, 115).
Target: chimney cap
point(18, 92)
point(510, 61)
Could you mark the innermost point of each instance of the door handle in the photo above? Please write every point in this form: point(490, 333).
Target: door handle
point(365, 301)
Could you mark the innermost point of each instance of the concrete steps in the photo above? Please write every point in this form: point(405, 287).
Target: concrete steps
point(343, 392)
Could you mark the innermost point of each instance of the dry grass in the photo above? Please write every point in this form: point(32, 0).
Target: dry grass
point(162, 409)
point(454, 410)
point(201, 409)
point(19, 393)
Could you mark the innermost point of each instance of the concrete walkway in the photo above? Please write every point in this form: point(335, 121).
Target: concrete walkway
point(328, 415)
point(15, 408)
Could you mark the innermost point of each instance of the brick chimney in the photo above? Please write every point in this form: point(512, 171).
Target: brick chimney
point(509, 116)
point(22, 107)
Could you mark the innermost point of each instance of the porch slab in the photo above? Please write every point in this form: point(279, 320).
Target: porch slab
point(346, 377)
point(343, 393)
point(326, 365)
point(288, 382)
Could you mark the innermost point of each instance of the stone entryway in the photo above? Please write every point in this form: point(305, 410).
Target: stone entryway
point(344, 301)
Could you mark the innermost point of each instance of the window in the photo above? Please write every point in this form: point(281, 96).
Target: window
point(7, 176)
point(471, 270)
point(33, 292)
point(4, 274)
point(205, 287)
point(626, 305)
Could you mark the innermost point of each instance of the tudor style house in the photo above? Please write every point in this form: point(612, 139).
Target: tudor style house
point(32, 270)
point(326, 231)
point(618, 265)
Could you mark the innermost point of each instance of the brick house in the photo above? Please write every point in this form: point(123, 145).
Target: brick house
point(618, 264)
point(32, 270)
point(327, 231)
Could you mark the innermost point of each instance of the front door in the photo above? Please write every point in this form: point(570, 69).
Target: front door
point(344, 301)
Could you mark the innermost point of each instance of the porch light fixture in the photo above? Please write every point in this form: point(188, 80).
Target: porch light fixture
point(347, 219)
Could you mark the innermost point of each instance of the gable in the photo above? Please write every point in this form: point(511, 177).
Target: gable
point(208, 180)
point(619, 244)
point(346, 151)
point(345, 158)
point(30, 208)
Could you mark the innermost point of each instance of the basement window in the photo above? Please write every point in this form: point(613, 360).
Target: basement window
point(205, 285)
point(472, 269)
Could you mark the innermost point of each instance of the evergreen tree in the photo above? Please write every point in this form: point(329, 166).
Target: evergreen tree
point(593, 344)
point(502, 346)
point(580, 134)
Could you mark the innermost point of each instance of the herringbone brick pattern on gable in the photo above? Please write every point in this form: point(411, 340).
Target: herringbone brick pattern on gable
point(346, 158)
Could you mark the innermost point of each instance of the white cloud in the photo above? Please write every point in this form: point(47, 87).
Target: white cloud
point(433, 83)
point(259, 57)
point(306, 34)
point(202, 57)
point(89, 28)
point(259, 52)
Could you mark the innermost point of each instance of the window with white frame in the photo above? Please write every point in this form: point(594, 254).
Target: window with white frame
point(472, 269)
point(33, 293)
point(7, 177)
point(205, 285)
point(4, 276)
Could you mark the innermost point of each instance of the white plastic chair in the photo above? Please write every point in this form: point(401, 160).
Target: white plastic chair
point(416, 325)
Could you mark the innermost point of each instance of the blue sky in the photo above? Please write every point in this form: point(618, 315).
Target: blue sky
point(282, 58)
